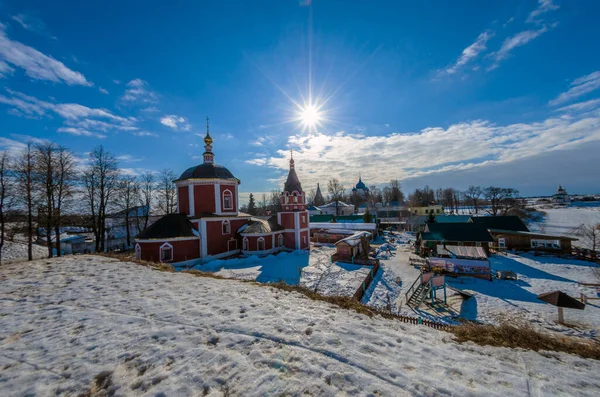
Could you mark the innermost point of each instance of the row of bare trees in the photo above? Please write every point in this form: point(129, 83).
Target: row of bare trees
point(44, 181)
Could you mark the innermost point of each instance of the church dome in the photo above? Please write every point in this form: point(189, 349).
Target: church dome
point(360, 185)
point(208, 171)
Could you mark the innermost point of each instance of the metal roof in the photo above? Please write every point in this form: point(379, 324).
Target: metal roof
point(169, 226)
point(208, 171)
point(462, 251)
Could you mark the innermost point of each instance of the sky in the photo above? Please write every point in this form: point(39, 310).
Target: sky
point(503, 93)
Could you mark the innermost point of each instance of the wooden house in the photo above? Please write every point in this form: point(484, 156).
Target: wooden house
point(354, 248)
point(455, 234)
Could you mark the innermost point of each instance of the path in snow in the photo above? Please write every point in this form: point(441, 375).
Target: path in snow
point(64, 321)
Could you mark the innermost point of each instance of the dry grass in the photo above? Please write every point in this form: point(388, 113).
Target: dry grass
point(126, 257)
point(524, 336)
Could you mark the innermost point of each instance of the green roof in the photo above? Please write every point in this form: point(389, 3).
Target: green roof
point(456, 232)
point(452, 218)
point(509, 222)
point(340, 219)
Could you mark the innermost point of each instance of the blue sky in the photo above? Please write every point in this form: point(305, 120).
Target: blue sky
point(432, 92)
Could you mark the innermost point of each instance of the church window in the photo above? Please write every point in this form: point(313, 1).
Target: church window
point(226, 227)
point(166, 252)
point(280, 240)
point(303, 240)
point(303, 219)
point(227, 200)
point(245, 244)
point(261, 244)
point(138, 252)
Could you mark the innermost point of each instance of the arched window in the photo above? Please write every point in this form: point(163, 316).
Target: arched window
point(295, 197)
point(245, 244)
point(280, 240)
point(260, 244)
point(166, 252)
point(227, 200)
point(225, 227)
point(138, 252)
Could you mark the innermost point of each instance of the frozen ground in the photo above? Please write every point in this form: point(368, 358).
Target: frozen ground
point(65, 321)
point(312, 269)
point(14, 251)
point(562, 221)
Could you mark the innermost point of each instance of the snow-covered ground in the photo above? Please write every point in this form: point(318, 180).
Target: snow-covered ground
point(512, 300)
point(562, 220)
point(15, 251)
point(65, 321)
point(312, 269)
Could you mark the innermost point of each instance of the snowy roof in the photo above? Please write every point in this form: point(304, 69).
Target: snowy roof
point(531, 234)
point(346, 226)
point(332, 205)
point(261, 226)
point(462, 251)
point(313, 208)
point(354, 239)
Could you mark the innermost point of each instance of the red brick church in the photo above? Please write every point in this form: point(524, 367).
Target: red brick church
point(209, 226)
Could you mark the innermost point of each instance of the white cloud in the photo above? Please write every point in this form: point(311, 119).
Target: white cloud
point(139, 91)
point(471, 52)
point(35, 64)
point(258, 161)
point(175, 122)
point(145, 133)
point(80, 132)
point(544, 6)
point(128, 158)
point(103, 90)
point(593, 104)
point(579, 87)
point(431, 151)
point(518, 40)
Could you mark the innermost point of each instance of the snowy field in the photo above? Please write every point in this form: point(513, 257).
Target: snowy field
point(15, 251)
point(312, 269)
point(562, 221)
point(142, 332)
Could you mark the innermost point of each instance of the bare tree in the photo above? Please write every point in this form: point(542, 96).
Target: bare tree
point(100, 180)
point(589, 234)
point(263, 204)
point(65, 178)
point(310, 196)
point(24, 172)
point(275, 202)
point(500, 198)
point(146, 196)
point(127, 195)
point(6, 195)
point(45, 163)
point(167, 193)
point(336, 192)
point(473, 195)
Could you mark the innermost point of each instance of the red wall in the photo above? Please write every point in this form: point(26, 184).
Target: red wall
point(217, 242)
point(204, 199)
point(287, 220)
point(183, 198)
point(306, 219)
point(182, 250)
point(232, 190)
point(289, 240)
point(253, 242)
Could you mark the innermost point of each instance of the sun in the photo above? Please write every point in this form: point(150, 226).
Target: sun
point(310, 116)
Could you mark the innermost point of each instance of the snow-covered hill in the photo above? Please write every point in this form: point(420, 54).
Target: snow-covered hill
point(138, 331)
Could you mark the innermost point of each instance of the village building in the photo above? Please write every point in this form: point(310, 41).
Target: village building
point(424, 211)
point(510, 233)
point(209, 226)
point(560, 197)
point(339, 208)
point(453, 234)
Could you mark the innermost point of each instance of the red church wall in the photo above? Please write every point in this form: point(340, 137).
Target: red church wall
point(304, 240)
point(184, 250)
point(231, 188)
point(287, 220)
point(204, 199)
point(217, 242)
point(289, 240)
point(183, 198)
point(305, 223)
point(253, 242)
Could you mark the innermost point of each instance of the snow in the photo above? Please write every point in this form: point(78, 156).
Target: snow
point(65, 321)
point(513, 300)
point(312, 269)
point(561, 221)
point(13, 251)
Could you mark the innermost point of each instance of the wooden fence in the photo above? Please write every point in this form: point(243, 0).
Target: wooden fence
point(360, 292)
